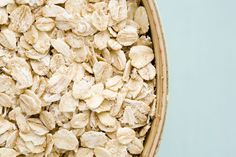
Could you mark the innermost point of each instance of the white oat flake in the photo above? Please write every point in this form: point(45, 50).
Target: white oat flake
point(77, 78)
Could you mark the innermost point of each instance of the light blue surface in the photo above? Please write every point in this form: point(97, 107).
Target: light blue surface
point(201, 41)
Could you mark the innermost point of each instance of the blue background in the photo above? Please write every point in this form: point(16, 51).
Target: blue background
point(201, 43)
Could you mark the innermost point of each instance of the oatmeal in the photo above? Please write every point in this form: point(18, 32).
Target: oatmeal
point(77, 78)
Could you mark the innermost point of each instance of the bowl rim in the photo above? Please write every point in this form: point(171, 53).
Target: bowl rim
point(152, 142)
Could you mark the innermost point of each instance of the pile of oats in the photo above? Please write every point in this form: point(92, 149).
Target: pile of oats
point(76, 78)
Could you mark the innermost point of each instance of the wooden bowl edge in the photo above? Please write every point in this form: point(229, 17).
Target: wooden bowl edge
point(154, 138)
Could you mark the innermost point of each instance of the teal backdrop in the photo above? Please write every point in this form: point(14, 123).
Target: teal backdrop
point(201, 43)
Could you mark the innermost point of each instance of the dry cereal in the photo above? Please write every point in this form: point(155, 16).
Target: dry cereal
point(77, 78)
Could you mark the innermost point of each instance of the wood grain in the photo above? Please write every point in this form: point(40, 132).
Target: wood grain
point(154, 137)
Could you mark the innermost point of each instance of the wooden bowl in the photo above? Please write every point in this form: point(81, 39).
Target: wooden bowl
point(154, 137)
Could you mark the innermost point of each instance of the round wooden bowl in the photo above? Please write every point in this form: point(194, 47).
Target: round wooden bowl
point(154, 137)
